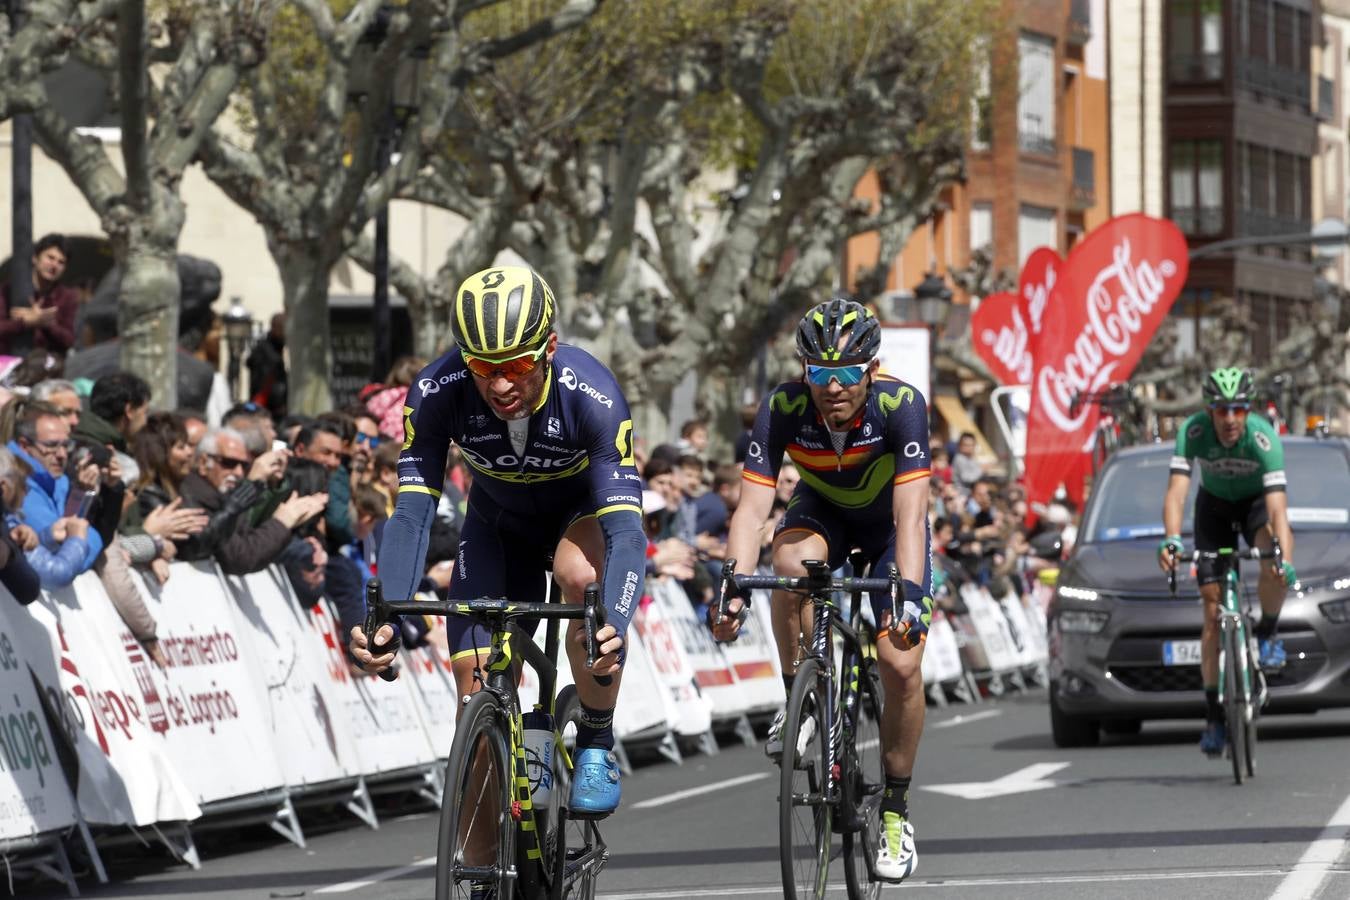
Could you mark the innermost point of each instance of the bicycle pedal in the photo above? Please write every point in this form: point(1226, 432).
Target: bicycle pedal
point(587, 816)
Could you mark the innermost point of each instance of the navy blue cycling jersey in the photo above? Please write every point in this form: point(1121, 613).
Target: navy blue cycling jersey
point(578, 454)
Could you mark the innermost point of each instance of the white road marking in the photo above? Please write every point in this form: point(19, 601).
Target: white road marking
point(973, 717)
point(704, 789)
point(1315, 865)
point(953, 882)
point(1032, 778)
point(376, 878)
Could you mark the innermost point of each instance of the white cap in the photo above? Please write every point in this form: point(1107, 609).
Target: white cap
point(652, 501)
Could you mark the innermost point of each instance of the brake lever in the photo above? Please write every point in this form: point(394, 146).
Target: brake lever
point(728, 585)
point(593, 621)
point(377, 615)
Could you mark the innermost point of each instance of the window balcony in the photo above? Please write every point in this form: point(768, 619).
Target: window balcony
point(1274, 81)
point(1252, 223)
point(1080, 23)
point(1326, 99)
point(1198, 220)
point(1034, 135)
point(1184, 68)
point(1084, 191)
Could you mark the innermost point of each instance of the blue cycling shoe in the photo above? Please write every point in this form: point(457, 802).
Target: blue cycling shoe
point(1272, 654)
point(595, 783)
point(1214, 739)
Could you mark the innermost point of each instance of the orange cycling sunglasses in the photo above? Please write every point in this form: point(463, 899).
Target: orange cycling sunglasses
point(512, 367)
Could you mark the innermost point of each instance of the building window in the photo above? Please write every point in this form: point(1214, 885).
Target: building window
point(981, 225)
point(1196, 40)
point(1275, 190)
point(981, 101)
point(1276, 44)
point(1196, 171)
point(1036, 100)
point(1036, 227)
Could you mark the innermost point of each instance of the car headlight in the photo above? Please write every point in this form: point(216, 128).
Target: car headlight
point(1076, 593)
point(1082, 621)
point(1337, 611)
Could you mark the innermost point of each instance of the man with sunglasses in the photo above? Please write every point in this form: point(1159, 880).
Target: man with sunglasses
point(548, 435)
point(1241, 481)
point(859, 441)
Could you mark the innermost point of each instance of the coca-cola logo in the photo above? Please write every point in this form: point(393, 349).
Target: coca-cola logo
point(1110, 297)
point(1006, 326)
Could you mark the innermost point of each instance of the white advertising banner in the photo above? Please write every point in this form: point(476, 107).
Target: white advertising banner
point(314, 743)
point(992, 628)
point(97, 690)
point(753, 658)
point(712, 672)
point(904, 354)
point(383, 716)
point(207, 704)
point(941, 653)
point(429, 668)
point(693, 710)
point(34, 795)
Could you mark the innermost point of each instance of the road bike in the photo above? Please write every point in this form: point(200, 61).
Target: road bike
point(1242, 684)
point(831, 777)
point(486, 808)
point(1123, 421)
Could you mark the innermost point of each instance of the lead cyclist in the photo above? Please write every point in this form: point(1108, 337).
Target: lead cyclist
point(548, 435)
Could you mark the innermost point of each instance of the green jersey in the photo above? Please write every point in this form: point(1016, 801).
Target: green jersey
point(1255, 464)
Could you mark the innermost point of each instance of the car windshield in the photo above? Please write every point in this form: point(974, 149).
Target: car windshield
point(1128, 502)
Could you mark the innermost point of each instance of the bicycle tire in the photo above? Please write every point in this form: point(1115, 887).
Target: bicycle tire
point(804, 788)
point(580, 835)
point(864, 780)
point(1235, 698)
point(1253, 711)
point(481, 735)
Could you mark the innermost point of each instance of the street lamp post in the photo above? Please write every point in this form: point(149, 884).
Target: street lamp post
point(403, 101)
point(933, 299)
point(238, 332)
point(21, 202)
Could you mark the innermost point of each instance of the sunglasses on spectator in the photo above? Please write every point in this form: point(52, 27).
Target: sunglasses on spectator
point(512, 366)
point(370, 440)
point(227, 463)
point(847, 376)
point(1232, 409)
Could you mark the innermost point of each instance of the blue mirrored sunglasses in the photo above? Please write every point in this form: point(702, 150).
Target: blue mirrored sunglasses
point(371, 441)
point(1231, 408)
point(847, 376)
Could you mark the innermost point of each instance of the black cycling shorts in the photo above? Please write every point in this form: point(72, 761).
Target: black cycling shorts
point(871, 530)
point(1216, 520)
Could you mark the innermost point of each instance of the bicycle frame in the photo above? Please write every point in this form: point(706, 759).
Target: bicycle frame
point(1232, 620)
point(501, 680)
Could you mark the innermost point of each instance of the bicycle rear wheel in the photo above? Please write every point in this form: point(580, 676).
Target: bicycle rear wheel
point(1235, 702)
point(864, 779)
point(573, 850)
point(803, 807)
point(476, 807)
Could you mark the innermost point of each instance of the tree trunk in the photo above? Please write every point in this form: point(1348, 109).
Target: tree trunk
point(304, 281)
point(148, 307)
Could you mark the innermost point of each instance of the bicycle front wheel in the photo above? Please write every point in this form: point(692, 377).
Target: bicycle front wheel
point(1236, 702)
point(803, 798)
point(477, 835)
point(864, 779)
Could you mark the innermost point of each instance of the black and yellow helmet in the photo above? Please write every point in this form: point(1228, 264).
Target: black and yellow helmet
point(501, 310)
point(820, 330)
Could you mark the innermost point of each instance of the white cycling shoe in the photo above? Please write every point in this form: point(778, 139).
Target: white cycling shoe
point(896, 856)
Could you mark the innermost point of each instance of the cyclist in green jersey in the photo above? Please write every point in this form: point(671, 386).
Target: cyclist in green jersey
point(1242, 487)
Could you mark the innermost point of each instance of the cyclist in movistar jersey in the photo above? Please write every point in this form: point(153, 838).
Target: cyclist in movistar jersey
point(860, 441)
point(1241, 483)
point(548, 435)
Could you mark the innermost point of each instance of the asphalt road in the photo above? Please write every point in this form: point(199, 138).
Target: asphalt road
point(1138, 817)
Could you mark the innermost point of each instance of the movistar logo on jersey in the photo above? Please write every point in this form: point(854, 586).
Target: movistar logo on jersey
point(891, 402)
point(780, 402)
point(873, 481)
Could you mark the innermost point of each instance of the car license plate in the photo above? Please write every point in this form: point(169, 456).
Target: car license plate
point(1181, 653)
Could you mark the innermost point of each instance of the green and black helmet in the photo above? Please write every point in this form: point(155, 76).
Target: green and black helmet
point(502, 310)
point(1229, 386)
point(820, 330)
